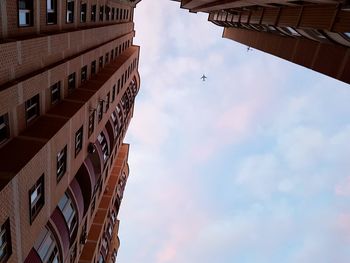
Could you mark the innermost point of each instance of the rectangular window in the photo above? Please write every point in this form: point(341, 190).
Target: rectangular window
point(116, 51)
point(83, 74)
point(83, 9)
point(61, 163)
point(93, 67)
point(108, 11)
point(117, 14)
point(78, 141)
point(106, 58)
point(107, 100)
point(32, 108)
point(70, 11)
point(112, 54)
point(56, 92)
point(25, 13)
point(93, 13)
point(101, 12)
point(100, 110)
point(100, 63)
point(4, 128)
point(36, 198)
point(113, 13)
point(118, 89)
point(91, 122)
point(5, 241)
point(51, 12)
point(71, 82)
point(93, 203)
point(103, 142)
point(113, 93)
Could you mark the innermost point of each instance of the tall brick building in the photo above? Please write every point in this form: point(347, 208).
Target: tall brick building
point(314, 34)
point(68, 80)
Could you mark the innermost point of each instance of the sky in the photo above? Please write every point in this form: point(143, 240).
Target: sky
point(250, 166)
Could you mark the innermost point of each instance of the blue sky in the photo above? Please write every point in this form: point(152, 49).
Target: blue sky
point(250, 166)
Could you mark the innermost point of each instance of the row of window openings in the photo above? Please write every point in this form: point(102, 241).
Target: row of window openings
point(32, 106)
point(103, 104)
point(313, 34)
point(47, 248)
point(26, 12)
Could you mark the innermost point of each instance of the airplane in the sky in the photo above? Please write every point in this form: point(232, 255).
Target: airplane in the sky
point(203, 77)
point(249, 49)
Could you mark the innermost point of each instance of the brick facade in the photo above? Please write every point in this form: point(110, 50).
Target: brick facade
point(32, 60)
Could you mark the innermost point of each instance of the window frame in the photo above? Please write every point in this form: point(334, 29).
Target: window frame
point(29, 105)
point(83, 13)
point(6, 127)
point(93, 13)
point(61, 163)
point(28, 10)
point(83, 74)
point(5, 241)
point(78, 144)
point(70, 86)
point(93, 67)
point(38, 203)
point(68, 21)
point(52, 11)
point(56, 86)
point(91, 126)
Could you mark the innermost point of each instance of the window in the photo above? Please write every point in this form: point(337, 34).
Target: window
point(118, 89)
point(106, 58)
point(100, 63)
point(113, 93)
point(61, 163)
point(55, 92)
point(115, 122)
point(91, 122)
point(25, 13)
point(36, 198)
point(4, 128)
point(108, 11)
point(47, 248)
point(78, 141)
point(83, 74)
point(73, 253)
point(70, 11)
point(117, 14)
point(93, 67)
point(116, 51)
point(93, 13)
point(101, 13)
point(112, 54)
point(122, 81)
point(93, 203)
point(51, 12)
point(100, 110)
point(32, 108)
point(103, 142)
point(5, 241)
point(71, 82)
point(83, 8)
point(107, 100)
point(113, 13)
point(69, 213)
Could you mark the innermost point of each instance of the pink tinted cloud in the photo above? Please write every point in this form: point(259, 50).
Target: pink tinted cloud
point(343, 187)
